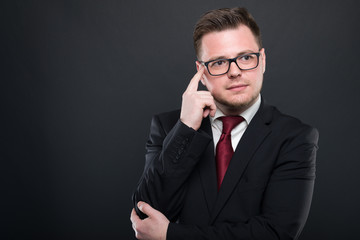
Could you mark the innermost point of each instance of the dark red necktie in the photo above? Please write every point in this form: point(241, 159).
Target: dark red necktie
point(224, 151)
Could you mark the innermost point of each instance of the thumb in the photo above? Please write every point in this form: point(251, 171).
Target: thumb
point(146, 208)
point(206, 112)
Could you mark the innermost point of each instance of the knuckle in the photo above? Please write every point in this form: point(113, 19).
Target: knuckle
point(144, 207)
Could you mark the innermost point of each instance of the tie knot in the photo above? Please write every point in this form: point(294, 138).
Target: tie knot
point(229, 122)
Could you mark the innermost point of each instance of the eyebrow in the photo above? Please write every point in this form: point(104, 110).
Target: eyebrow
point(224, 57)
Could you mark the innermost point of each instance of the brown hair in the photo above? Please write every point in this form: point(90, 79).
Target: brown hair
point(222, 19)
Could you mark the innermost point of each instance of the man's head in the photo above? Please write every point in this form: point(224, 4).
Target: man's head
point(223, 19)
point(228, 44)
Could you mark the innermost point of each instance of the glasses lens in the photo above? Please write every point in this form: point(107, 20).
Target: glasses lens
point(247, 61)
point(218, 67)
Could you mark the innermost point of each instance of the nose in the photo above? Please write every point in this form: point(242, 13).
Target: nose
point(234, 70)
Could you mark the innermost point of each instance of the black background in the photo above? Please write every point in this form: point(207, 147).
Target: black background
point(80, 81)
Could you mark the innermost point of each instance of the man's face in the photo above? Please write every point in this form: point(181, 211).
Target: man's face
point(238, 89)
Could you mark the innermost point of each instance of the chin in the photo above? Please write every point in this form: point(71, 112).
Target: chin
point(240, 103)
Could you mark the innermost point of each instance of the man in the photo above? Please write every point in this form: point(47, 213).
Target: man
point(205, 179)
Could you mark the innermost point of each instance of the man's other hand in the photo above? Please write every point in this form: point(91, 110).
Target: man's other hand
point(154, 227)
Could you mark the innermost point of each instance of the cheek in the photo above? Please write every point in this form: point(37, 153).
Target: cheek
point(213, 83)
point(259, 80)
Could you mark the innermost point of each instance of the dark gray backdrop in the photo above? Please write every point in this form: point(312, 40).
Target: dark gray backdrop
point(80, 81)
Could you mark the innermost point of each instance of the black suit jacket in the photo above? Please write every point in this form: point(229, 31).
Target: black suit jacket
point(266, 192)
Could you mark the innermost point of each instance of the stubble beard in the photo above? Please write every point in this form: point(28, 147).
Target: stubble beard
point(237, 106)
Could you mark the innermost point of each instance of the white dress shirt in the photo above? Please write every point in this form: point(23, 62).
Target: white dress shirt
point(238, 131)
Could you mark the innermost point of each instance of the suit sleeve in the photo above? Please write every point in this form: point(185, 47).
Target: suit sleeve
point(170, 158)
point(286, 201)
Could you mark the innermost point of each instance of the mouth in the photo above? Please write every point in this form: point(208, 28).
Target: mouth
point(237, 87)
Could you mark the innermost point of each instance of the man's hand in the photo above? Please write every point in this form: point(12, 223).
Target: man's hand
point(196, 105)
point(152, 228)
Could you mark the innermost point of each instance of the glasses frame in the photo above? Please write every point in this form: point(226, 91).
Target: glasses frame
point(230, 60)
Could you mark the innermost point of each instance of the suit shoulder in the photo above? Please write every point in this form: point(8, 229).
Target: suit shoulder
point(287, 124)
point(170, 116)
point(167, 119)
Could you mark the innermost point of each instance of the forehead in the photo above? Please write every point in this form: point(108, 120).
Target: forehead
point(227, 43)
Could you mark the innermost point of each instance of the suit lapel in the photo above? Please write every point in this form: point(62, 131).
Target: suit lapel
point(207, 169)
point(253, 137)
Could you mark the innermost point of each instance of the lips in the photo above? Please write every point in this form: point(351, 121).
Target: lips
point(237, 87)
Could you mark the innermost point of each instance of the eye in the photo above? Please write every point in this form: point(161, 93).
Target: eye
point(218, 63)
point(246, 57)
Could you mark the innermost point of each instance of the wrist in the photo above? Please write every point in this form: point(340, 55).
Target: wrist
point(190, 124)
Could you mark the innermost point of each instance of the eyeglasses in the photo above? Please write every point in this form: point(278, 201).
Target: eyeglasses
point(246, 61)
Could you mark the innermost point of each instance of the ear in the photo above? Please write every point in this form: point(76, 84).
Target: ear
point(198, 65)
point(263, 61)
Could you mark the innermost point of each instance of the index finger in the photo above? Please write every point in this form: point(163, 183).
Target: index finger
point(194, 83)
